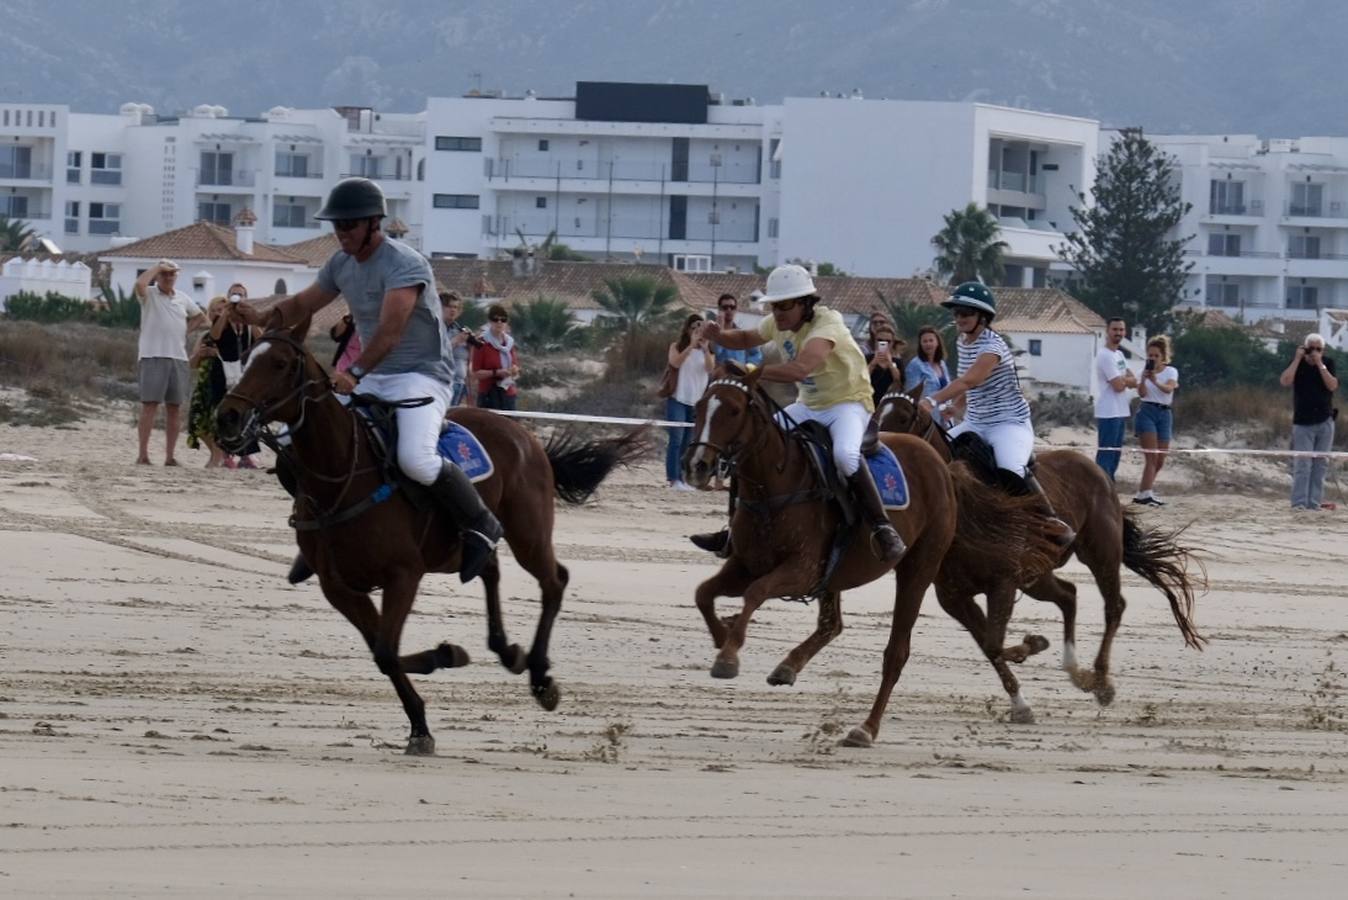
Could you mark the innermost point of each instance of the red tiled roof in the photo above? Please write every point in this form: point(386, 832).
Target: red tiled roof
point(200, 241)
point(571, 282)
point(315, 251)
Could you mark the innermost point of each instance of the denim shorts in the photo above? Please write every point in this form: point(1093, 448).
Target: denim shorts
point(1153, 418)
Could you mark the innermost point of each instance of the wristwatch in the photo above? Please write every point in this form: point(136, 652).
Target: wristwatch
point(356, 372)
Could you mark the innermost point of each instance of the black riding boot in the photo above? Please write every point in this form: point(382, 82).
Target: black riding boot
point(300, 570)
point(481, 531)
point(718, 542)
point(1018, 486)
point(891, 546)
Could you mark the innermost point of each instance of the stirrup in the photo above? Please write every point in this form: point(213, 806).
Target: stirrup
point(300, 570)
point(886, 543)
point(477, 552)
point(717, 542)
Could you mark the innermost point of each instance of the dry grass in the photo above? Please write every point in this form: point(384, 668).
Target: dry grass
point(65, 368)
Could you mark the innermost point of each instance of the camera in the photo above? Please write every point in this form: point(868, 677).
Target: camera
point(473, 340)
point(235, 297)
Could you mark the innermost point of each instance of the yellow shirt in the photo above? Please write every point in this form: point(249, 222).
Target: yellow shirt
point(842, 377)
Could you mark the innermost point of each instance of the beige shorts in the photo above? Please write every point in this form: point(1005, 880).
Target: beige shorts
point(163, 380)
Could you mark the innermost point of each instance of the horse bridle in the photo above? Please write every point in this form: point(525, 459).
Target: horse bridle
point(255, 425)
point(733, 448)
point(933, 427)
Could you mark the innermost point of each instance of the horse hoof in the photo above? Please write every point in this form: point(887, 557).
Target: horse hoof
point(781, 675)
point(420, 745)
point(515, 659)
point(1104, 695)
point(858, 737)
point(451, 656)
point(725, 669)
point(1084, 679)
point(1022, 715)
point(1036, 643)
point(547, 694)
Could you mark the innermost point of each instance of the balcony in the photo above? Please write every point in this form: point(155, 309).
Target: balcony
point(108, 177)
point(580, 169)
point(105, 226)
point(378, 176)
point(24, 173)
point(226, 180)
point(1015, 181)
point(628, 230)
point(305, 174)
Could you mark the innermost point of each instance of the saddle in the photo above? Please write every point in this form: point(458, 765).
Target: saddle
point(978, 455)
point(457, 444)
point(884, 465)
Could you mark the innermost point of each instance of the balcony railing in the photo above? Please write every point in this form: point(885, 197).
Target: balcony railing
point(1314, 254)
point(305, 174)
point(11, 172)
point(1248, 254)
point(504, 225)
point(1332, 209)
point(575, 169)
point(378, 176)
point(105, 176)
point(104, 226)
point(1015, 181)
point(241, 178)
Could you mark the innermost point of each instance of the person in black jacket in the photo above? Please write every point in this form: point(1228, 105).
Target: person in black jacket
point(1313, 382)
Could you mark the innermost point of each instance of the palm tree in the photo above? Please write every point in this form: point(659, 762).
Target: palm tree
point(545, 325)
point(636, 303)
point(968, 248)
point(15, 236)
point(910, 318)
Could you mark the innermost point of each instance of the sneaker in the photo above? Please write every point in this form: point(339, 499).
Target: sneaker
point(1329, 507)
point(1141, 501)
point(246, 462)
point(683, 486)
point(1155, 500)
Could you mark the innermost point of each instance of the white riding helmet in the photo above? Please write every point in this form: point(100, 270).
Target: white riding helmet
point(787, 283)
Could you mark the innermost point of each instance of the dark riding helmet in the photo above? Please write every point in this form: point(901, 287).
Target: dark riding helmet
point(973, 295)
point(353, 198)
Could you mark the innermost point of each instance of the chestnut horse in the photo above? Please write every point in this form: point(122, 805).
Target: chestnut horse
point(784, 525)
point(1107, 538)
point(360, 532)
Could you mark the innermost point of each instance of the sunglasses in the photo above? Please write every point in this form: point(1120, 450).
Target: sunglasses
point(499, 319)
point(728, 308)
point(963, 312)
point(346, 224)
point(784, 305)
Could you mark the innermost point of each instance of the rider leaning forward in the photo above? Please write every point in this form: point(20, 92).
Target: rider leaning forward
point(996, 410)
point(835, 389)
point(390, 291)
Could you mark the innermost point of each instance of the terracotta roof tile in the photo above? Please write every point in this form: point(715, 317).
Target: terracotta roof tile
point(315, 251)
point(200, 241)
point(571, 282)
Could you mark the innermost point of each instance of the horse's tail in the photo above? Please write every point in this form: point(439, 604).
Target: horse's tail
point(579, 466)
point(1157, 557)
point(994, 529)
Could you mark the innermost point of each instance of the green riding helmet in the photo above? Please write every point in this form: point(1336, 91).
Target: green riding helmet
point(353, 198)
point(973, 295)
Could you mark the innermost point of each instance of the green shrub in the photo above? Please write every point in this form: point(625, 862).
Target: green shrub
point(1209, 357)
point(1062, 408)
point(52, 307)
point(119, 309)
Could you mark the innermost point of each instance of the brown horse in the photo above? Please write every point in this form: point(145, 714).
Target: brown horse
point(359, 533)
point(784, 525)
point(1107, 538)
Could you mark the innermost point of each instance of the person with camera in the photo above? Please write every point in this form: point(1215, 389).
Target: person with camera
point(692, 358)
point(462, 342)
point(1313, 381)
point(882, 364)
point(1154, 423)
point(496, 364)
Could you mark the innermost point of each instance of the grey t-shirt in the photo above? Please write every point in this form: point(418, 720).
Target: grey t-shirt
point(424, 346)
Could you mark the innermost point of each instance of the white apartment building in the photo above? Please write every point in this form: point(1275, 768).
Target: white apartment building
point(1270, 223)
point(84, 179)
point(865, 184)
point(647, 172)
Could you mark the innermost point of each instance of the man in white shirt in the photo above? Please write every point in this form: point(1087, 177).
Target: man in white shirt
point(166, 314)
point(1113, 395)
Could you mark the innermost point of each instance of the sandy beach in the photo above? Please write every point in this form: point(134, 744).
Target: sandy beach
point(176, 720)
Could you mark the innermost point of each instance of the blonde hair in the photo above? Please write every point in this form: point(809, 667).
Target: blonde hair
point(216, 302)
point(1161, 343)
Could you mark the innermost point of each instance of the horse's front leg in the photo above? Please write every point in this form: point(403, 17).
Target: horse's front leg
point(511, 655)
point(730, 581)
point(828, 626)
point(398, 595)
point(788, 580)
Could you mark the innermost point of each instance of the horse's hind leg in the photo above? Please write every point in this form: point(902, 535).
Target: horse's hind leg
point(1062, 594)
point(1001, 600)
point(537, 559)
point(1106, 572)
point(511, 655)
point(828, 626)
point(907, 603)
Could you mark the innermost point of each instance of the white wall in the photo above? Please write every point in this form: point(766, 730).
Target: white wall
point(259, 278)
point(1065, 359)
point(43, 276)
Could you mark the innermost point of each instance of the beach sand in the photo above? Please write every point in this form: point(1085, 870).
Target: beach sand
point(175, 720)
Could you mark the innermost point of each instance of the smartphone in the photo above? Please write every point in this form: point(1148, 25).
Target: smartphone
point(235, 297)
point(882, 345)
point(1151, 365)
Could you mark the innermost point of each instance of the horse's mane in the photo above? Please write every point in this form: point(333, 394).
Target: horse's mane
point(997, 534)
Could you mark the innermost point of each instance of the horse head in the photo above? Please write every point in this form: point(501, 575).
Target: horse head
point(274, 386)
point(725, 423)
point(898, 411)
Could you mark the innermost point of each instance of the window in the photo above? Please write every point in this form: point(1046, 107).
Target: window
point(1304, 246)
point(216, 168)
point(74, 158)
point(772, 228)
point(209, 211)
point(105, 168)
point(280, 287)
point(14, 206)
point(543, 145)
point(774, 164)
point(1302, 296)
point(289, 215)
point(540, 203)
point(1226, 198)
point(365, 166)
point(466, 144)
point(16, 162)
point(1306, 199)
point(455, 201)
point(293, 165)
point(105, 218)
point(1223, 245)
point(1036, 347)
point(1223, 293)
point(72, 217)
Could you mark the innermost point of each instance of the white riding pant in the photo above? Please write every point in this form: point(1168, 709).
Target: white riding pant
point(418, 426)
point(1011, 443)
point(846, 423)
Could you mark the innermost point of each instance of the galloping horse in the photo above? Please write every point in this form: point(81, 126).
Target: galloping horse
point(360, 531)
point(785, 522)
point(1107, 537)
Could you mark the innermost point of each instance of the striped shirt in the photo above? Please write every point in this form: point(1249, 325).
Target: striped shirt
point(998, 400)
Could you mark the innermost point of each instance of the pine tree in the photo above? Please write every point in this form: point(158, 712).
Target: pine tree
point(1128, 260)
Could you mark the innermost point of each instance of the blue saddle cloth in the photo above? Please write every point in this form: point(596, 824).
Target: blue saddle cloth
point(461, 447)
point(885, 469)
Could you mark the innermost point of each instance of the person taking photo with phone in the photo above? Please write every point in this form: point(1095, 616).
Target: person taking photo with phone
point(1313, 381)
point(1154, 425)
point(882, 365)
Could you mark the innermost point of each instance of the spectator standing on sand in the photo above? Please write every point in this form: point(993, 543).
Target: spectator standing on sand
point(462, 342)
point(1111, 402)
point(166, 314)
point(495, 363)
point(726, 307)
point(1313, 381)
point(691, 355)
point(1154, 424)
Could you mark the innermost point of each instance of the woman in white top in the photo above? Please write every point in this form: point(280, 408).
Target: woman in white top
point(692, 356)
point(1154, 423)
point(995, 408)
